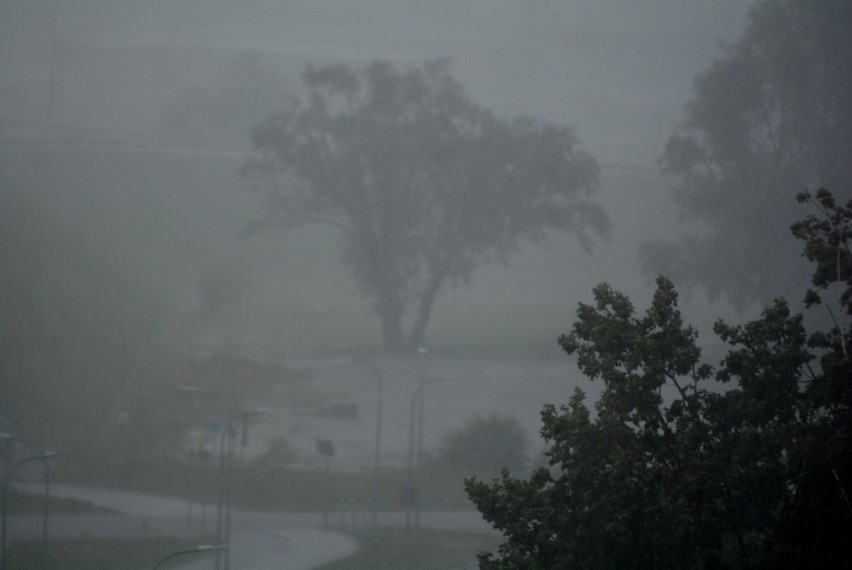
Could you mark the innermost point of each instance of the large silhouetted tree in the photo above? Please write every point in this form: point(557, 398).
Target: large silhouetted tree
point(769, 118)
point(423, 183)
point(674, 472)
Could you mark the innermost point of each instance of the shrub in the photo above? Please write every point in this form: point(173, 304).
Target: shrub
point(485, 445)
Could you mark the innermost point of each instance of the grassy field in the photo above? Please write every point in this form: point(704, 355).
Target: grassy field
point(104, 553)
point(25, 503)
point(89, 553)
point(285, 489)
point(310, 490)
point(393, 549)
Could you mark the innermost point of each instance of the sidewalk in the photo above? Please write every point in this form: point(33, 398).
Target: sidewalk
point(291, 549)
point(259, 541)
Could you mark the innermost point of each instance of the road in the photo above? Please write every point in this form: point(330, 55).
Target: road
point(260, 540)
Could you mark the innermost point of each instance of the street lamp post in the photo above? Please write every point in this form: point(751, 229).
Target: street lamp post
point(223, 524)
point(228, 458)
point(42, 456)
point(119, 406)
point(377, 457)
point(418, 393)
point(222, 464)
point(52, 86)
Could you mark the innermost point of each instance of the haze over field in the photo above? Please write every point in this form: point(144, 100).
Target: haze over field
point(616, 71)
point(241, 196)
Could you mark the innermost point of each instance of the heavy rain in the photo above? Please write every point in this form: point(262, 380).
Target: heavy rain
point(425, 285)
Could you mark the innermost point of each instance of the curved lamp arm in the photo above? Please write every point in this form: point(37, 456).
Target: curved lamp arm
point(199, 548)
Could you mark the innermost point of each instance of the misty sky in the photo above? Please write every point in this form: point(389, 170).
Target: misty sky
point(619, 71)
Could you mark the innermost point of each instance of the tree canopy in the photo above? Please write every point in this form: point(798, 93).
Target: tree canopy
point(770, 117)
point(424, 184)
point(682, 465)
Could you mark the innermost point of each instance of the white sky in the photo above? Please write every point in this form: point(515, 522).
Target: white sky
point(619, 71)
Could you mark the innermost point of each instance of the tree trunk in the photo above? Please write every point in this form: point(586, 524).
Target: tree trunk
point(424, 312)
point(390, 316)
point(392, 334)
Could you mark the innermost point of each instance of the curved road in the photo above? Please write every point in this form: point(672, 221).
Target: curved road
point(259, 540)
point(296, 541)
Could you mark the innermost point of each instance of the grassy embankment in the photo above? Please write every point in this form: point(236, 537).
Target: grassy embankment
point(104, 553)
point(89, 553)
point(392, 549)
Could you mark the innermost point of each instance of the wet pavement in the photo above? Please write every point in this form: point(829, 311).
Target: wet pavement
point(260, 540)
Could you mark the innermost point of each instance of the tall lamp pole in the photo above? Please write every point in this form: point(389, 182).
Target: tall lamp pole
point(42, 456)
point(119, 406)
point(52, 86)
point(244, 419)
point(418, 393)
point(223, 525)
point(377, 457)
point(223, 454)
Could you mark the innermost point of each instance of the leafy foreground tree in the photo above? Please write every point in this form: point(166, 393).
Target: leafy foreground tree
point(769, 117)
point(423, 183)
point(674, 472)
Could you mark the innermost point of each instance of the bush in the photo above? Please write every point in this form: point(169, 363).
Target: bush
point(485, 445)
point(277, 457)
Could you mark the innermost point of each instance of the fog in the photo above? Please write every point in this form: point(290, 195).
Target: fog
point(123, 129)
point(619, 74)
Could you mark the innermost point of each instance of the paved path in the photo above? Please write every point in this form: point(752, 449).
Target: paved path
point(259, 541)
point(291, 549)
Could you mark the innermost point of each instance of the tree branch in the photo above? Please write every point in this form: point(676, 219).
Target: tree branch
point(328, 221)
